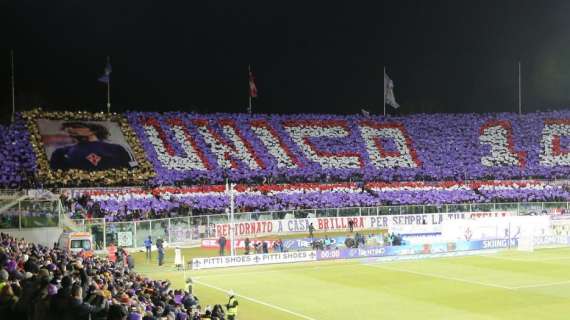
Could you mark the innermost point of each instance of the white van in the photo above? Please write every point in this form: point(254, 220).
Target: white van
point(77, 242)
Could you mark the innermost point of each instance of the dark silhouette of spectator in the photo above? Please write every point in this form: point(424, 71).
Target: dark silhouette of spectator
point(247, 244)
point(265, 247)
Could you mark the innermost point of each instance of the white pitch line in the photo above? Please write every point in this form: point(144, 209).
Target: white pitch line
point(442, 277)
point(527, 260)
point(508, 258)
point(539, 285)
point(552, 258)
point(296, 268)
point(258, 301)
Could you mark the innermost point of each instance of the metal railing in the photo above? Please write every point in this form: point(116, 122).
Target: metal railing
point(185, 229)
point(10, 193)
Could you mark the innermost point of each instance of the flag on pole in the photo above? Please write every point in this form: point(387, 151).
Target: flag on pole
point(106, 77)
point(252, 86)
point(389, 96)
point(365, 113)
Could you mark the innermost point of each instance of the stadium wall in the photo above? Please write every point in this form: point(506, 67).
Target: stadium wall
point(46, 236)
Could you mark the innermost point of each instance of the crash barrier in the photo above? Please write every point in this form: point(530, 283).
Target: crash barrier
point(182, 230)
point(469, 233)
point(189, 229)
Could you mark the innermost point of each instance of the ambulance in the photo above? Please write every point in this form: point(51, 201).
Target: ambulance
point(77, 242)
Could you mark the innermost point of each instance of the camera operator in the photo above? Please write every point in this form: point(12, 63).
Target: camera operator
point(398, 240)
point(317, 244)
point(327, 243)
point(349, 242)
point(359, 240)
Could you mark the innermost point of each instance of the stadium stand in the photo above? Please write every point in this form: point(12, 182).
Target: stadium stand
point(178, 162)
point(162, 202)
point(16, 156)
point(38, 282)
point(280, 162)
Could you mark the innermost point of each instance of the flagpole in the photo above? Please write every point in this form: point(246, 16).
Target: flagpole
point(109, 88)
point(520, 95)
point(384, 76)
point(249, 110)
point(13, 85)
point(249, 107)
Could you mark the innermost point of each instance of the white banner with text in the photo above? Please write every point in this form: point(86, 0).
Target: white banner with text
point(253, 259)
point(286, 226)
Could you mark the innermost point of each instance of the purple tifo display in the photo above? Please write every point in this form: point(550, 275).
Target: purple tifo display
point(193, 148)
point(16, 156)
point(290, 148)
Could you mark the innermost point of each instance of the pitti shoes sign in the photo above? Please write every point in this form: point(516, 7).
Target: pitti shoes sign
point(253, 259)
point(256, 228)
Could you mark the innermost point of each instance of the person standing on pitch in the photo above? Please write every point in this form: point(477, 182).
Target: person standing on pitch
point(232, 306)
point(222, 243)
point(247, 244)
point(350, 225)
point(160, 249)
point(311, 230)
point(148, 246)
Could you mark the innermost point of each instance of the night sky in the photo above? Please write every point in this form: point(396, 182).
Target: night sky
point(307, 56)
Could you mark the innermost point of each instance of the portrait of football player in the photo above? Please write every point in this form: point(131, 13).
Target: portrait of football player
point(90, 151)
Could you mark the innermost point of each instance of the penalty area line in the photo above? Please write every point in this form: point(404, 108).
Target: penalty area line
point(554, 259)
point(540, 285)
point(437, 276)
point(256, 301)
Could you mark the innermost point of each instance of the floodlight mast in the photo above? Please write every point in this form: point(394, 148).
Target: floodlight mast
point(13, 83)
point(520, 90)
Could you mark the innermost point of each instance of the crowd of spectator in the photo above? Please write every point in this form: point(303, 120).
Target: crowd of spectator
point(18, 162)
point(171, 202)
point(38, 282)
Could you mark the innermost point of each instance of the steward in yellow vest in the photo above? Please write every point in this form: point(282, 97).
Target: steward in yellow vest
point(232, 306)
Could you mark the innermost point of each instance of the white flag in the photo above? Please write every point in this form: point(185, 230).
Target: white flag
point(365, 113)
point(389, 97)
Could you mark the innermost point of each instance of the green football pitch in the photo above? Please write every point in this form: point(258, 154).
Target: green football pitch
point(505, 285)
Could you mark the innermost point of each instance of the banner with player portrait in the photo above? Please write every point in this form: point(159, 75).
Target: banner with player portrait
point(85, 145)
point(73, 148)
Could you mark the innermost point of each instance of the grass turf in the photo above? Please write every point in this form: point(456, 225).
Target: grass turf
point(506, 285)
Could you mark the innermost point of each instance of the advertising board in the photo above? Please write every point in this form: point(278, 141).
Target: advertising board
point(354, 253)
point(415, 249)
point(253, 260)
